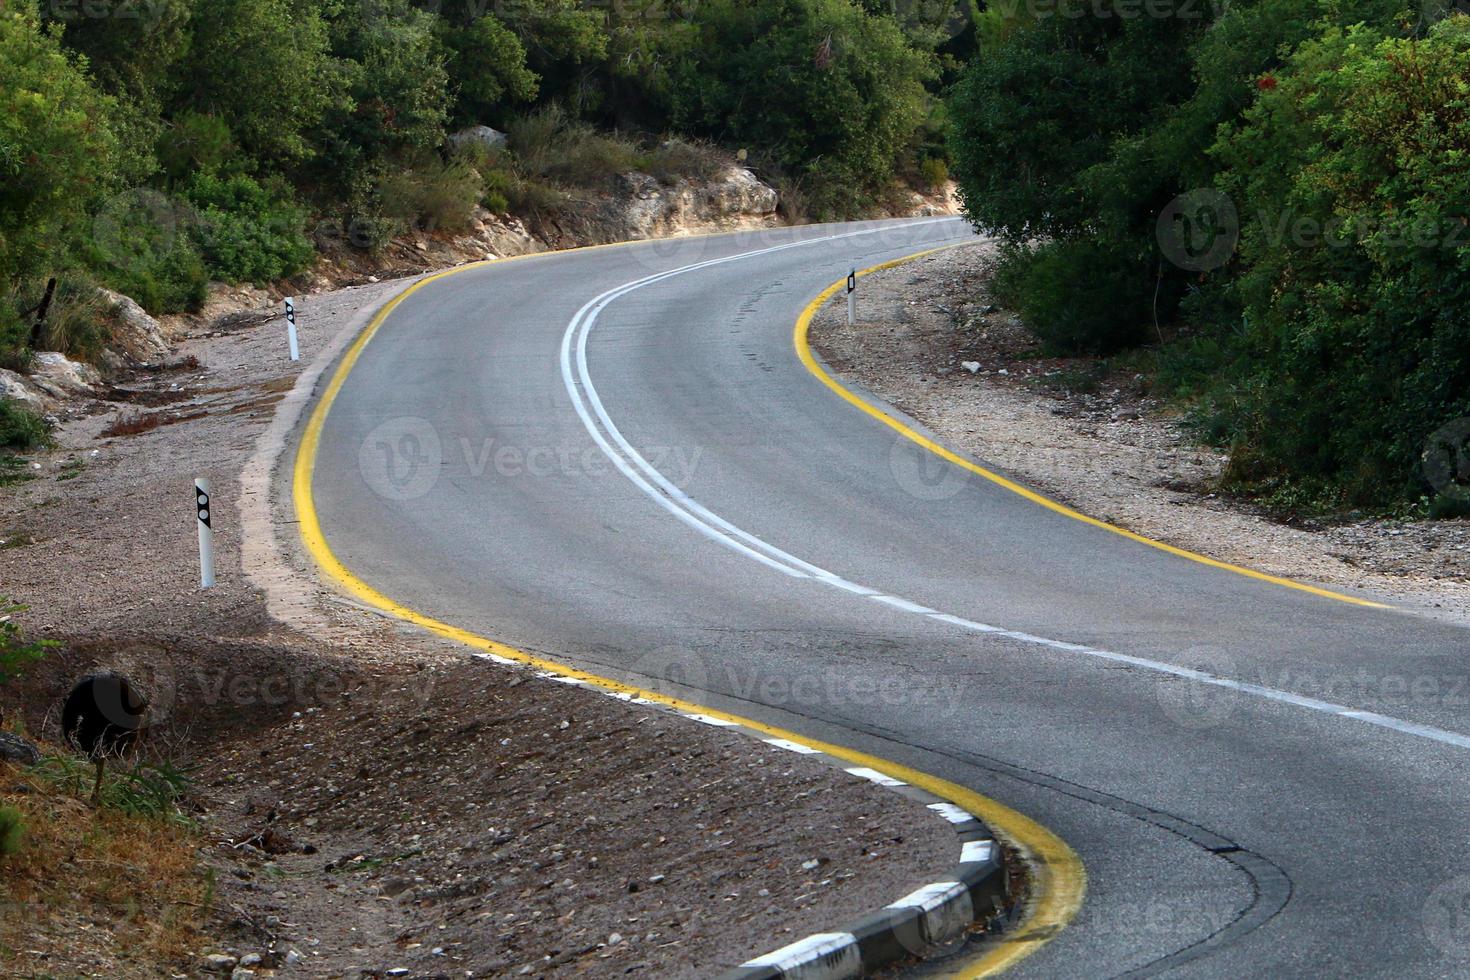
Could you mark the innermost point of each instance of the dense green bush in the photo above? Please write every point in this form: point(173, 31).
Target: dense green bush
point(553, 145)
point(934, 173)
point(194, 142)
point(15, 336)
point(57, 150)
point(1355, 255)
point(1079, 296)
point(141, 246)
point(675, 159)
point(264, 66)
point(1332, 345)
point(433, 195)
point(247, 232)
point(21, 430)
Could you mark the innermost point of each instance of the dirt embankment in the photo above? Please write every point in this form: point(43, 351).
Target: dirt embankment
point(932, 343)
point(370, 800)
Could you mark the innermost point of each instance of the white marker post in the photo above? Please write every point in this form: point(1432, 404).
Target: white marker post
point(291, 329)
point(852, 298)
point(206, 533)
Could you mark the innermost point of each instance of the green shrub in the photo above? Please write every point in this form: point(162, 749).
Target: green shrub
point(934, 172)
point(143, 789)
point(499, 185)
point(535, 197)
point(21, 431)
point(433, 195)
point(247, 232)
point(142, 247)
point(822, 90)
point(550, 144)
point(15, 337)
point(1077, 297)
point(791, 201)
point(1355, 272)
point(77, 319)
point(688, 159)
point(12, 830)
point(194, 142)
point(16, 652)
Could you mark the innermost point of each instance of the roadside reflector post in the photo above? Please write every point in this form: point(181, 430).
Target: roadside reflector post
point(852, 298)
point(291, 329)
point(206, 533)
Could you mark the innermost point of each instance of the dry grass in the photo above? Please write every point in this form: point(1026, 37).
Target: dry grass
point(96, 892)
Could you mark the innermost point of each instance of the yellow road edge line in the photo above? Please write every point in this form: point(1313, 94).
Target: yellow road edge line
point(804, 351)
point(1058, 881)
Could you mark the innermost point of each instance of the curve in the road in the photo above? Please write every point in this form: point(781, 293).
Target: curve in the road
point(1057, 878)
point(670, 497)
point(1169, 783)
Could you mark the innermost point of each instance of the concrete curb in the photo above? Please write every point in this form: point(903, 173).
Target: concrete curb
point(911, 927)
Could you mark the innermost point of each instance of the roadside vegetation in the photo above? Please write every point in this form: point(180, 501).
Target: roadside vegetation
point(155, 149)
point(1270, 194)
point(131, 862)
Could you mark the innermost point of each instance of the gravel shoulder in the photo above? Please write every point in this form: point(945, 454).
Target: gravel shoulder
point(375, 800)
point(930, 342)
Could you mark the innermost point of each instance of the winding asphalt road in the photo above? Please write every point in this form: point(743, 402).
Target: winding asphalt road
point(646, 481)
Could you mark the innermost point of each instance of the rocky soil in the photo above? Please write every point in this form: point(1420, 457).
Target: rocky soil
point(932, 342)
point(373, 801)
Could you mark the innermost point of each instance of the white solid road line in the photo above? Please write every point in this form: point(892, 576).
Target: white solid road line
point(662, 491)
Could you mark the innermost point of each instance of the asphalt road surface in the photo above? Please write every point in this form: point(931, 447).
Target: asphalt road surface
point(615, 458)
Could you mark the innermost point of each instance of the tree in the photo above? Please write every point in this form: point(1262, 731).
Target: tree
point(57, 151)
point(488, 62)
point(1355, 261)
point(819, 88)
point(265, 67)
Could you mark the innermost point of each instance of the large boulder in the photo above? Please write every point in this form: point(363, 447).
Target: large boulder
point(739, 192)
point(20, 389)
point(135, 334)
point(492, 139)
point(61, 377)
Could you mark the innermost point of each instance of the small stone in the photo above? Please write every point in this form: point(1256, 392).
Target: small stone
point(15, 749)
point(250, 959)
point(219, 962)
point(293, 958)
point(614, 939)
